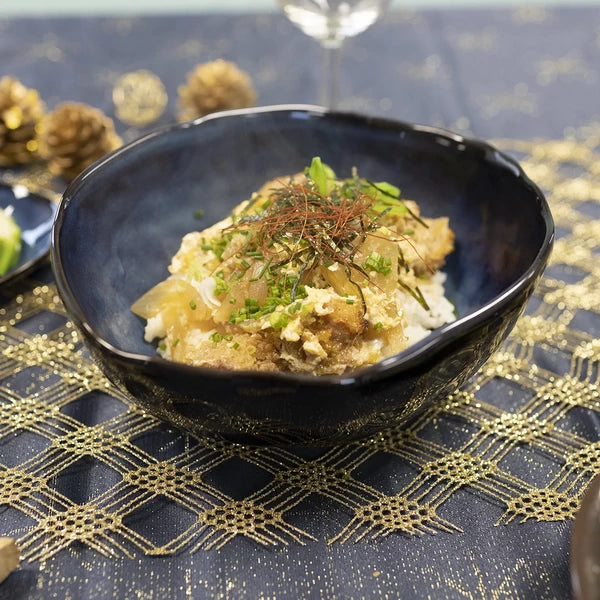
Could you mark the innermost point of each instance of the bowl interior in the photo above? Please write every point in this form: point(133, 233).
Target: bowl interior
point(123, 221)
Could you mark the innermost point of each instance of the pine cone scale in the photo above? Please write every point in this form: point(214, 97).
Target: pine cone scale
point(74, 136)
point(20, 111)
point(213, 86)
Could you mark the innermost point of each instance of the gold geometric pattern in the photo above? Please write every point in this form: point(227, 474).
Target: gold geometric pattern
point(393, 514)
point(460, 468)
point(542, 505)
point(245, 517)
point(509, 436)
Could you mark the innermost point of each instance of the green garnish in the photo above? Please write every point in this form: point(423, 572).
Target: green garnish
point(311, 223)
point(279, 295)
point(264, 269)
point(215, 337)
point(279, 320)
point(221, 285)
point(349, 301)
point(390, 199)
point(294, 308)
point(235, 346)
point(378, 327)
point(378, 263)
point(10, 241)
point(217, 244)
point(387, 189)
point(162, 346)
point(192, 305)
point(300, 226)
point(454, 309)
point(319, 173)
point(175, 342)
point(416, 294)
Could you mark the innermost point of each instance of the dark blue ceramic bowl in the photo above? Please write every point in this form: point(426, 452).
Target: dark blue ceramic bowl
point(122, 220)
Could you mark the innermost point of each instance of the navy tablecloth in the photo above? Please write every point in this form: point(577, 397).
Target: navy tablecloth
point(487, 523)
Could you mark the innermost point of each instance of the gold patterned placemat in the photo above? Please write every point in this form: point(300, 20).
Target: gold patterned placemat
point(522, 434)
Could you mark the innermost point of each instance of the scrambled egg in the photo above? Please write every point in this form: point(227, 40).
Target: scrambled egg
point(232, 304)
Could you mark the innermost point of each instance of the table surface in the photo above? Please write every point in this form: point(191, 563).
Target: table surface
point(474, 499)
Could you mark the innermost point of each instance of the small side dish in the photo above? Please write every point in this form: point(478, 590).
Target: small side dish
point(313, 274)
point(10, 240)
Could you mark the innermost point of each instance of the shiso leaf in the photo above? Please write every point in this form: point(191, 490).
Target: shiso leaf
point(320, 173)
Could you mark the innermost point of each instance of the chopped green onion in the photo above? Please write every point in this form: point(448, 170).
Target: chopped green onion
point(396, 204)
point(416, 294)
point(279, 320)
point(378, 263)
point(294, 308)
point(387, 188)
point(262, 271)
point(221, 285)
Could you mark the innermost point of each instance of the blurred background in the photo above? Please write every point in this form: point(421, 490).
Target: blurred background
point(449, 63)
point(36, 7)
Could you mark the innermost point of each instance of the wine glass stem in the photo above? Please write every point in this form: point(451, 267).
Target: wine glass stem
point(331, 76)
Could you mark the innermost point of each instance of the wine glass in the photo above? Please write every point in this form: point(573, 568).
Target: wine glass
point(331, 22)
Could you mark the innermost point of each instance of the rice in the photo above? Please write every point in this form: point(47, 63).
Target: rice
point(419, 322)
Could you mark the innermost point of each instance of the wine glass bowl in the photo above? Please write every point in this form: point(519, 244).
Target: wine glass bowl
point(330, 22)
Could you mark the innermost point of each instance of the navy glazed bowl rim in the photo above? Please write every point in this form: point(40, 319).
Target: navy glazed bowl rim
point(392, 366)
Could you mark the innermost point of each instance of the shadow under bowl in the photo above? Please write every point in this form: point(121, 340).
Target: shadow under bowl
point(120, 223)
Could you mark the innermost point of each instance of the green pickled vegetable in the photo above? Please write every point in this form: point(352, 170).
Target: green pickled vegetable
point(10, 241)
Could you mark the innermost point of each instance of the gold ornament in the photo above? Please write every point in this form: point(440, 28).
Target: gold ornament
point(20, 111)
point(74, 136)
point(214, 86)
point(140, 98)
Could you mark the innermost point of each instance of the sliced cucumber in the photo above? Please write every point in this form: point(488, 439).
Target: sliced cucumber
point(10, 241)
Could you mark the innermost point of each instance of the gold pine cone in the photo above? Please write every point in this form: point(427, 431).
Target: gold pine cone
point(20, 111)
point(74, 136)
point(214, 86)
